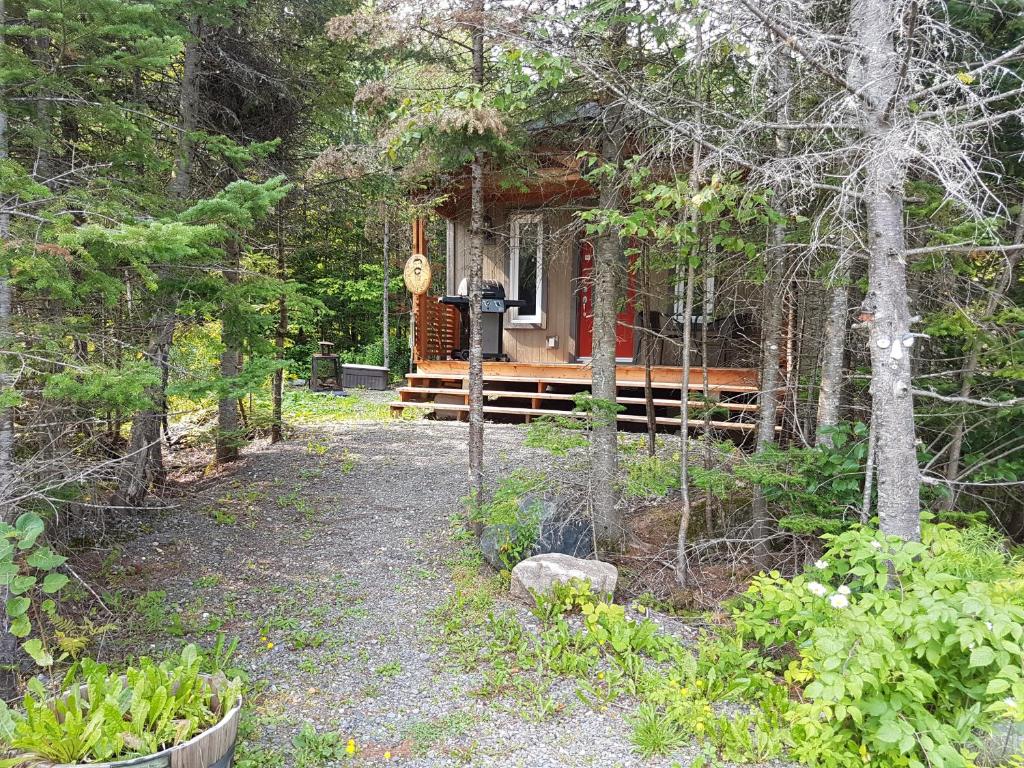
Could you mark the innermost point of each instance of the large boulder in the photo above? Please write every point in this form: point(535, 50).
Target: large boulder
point(537, 574)
point(547, 521)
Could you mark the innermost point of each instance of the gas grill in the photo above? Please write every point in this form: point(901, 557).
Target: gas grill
point(493, 306)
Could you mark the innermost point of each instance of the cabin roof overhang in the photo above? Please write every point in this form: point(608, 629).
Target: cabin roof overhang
point(556, 180)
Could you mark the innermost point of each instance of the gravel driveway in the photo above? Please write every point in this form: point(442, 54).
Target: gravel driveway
point(325, 556)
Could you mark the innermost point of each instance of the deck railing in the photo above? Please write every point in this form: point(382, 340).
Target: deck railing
point(437, 328)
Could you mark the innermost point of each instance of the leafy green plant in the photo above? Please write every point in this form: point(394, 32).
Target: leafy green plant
point(655, 732)
point(515, 524)
point(105, 715)
point(902, 653)
point(28, 572)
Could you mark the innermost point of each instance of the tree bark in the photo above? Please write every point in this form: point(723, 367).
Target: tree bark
point(682, 567)
point(995, 298)
point(277, 417)
point(181, 180)
point(476, 268)
point(143, 464)
point(386, 298)
point(833, 349)
point(874, 73)
point(8, 469)
point(648, 342)
point(608, 257)
point(228, 433)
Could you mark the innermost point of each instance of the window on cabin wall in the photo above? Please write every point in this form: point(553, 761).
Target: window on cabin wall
point(526, 266)
point(703, 299)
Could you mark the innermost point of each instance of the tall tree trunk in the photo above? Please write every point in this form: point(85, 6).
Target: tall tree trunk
point(995, 298)
point(476, 269)
point(143, 464)
point(875, 74)
point(773, 310)
point(8, 469)
point(181, 181)
point(608, 258)
point(682, 539)
point(833, 348)
point(228, 432)
point(386, 297)
point(277, 418)
point(648, 344)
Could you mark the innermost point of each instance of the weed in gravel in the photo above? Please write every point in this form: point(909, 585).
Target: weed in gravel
point(208, 581)
point(348, 462)
point(156, 616)
point(223, 517)
point(301, 639)
point(308, 666)
point(315, 448)
point(390, 669)
point(427, 734)
point(655, 732)
point(370, 691)
point(314, 749)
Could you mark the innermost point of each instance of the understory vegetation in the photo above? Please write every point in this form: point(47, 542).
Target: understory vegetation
point(881, 653)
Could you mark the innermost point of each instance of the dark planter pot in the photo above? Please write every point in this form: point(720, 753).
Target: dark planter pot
point(212, 748)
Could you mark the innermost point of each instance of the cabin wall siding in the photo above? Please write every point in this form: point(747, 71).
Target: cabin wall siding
point(524, 343)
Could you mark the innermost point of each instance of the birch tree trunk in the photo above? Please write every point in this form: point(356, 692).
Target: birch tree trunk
point(476, 268)
point(608, 255)
point(874, 74)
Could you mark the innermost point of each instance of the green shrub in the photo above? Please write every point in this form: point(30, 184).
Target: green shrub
point(903, 649)
point(105, 715)
point(517, 525)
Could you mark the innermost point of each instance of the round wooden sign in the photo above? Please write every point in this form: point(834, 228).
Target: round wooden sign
point(417, 274)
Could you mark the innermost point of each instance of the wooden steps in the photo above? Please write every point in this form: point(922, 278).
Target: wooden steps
point(522, 391)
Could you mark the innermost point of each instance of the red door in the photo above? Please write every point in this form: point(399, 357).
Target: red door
point(585, 310)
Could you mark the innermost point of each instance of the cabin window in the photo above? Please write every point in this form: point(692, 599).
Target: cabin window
point(703, 300)
point(526, 266)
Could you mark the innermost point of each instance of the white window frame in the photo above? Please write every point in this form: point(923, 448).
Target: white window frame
point(701, 314)
point(449, 244)
point(516, 220)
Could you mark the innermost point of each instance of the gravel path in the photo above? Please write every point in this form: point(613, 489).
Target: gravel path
point(325, 555)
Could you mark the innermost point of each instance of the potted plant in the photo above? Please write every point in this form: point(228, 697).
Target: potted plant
point(166, 714)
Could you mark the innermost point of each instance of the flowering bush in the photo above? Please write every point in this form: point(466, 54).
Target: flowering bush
point(904, 650)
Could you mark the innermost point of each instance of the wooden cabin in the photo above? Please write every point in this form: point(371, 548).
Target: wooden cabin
point(534, 246)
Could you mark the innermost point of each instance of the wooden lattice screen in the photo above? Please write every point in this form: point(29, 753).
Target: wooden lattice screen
point(437, 328)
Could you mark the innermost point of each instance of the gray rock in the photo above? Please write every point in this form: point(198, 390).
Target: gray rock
point(540, 572)
point(493, 540)
point(1005, 741)
point(560, 530)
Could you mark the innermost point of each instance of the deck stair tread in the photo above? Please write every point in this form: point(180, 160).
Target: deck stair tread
point(563, 396)
point(662, 420)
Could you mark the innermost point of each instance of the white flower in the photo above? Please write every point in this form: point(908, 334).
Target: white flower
point(843, 589)
point(817, 589)
point(821, 565)
point(838, 601)
point(1010, 702)
point(988, 624)
point(876, 545)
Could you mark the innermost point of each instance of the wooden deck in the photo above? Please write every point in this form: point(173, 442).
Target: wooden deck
point(521, 391)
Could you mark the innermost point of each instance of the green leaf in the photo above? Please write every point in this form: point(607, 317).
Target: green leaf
point(39, 654)
point(982, 656)
point(21, 626)
point(29, 526)
point(54, 582)
point(21, 584)
point(997, 686)
point(16, 606)
point(45, 559)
